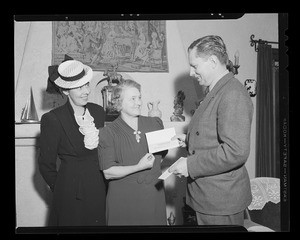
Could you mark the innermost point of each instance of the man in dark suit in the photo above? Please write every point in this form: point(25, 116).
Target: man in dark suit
point(217, 140)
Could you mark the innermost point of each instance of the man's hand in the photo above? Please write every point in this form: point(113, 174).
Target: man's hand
point(180, 168)
point(181, 139)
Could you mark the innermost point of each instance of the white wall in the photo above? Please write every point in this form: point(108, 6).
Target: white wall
point(33, 52)
point(33, 197)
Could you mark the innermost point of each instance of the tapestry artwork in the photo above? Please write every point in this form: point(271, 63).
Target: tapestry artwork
point(135, 46)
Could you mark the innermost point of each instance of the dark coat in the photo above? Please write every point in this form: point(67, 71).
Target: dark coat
point(219, 145)
point(78, 186)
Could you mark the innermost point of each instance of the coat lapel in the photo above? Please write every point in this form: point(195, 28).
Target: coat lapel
point(202, 107)
point(67, 119)
point(99, 117)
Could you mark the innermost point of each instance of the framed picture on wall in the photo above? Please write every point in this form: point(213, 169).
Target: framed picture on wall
point(136, 46)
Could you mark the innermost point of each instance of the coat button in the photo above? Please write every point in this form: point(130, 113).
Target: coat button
point(193, 152)
point(197, 133)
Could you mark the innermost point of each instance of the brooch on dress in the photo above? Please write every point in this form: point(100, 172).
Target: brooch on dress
point(137, 135)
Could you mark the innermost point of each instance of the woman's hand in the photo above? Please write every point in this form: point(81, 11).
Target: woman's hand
point(146, 162)
point(181, 139)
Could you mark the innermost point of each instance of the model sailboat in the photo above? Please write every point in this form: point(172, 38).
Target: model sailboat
point(29, 114)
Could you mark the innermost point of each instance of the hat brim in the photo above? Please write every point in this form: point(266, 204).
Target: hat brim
point(78, 83)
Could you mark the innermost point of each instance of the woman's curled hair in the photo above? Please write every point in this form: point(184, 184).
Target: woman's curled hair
point(117, 96)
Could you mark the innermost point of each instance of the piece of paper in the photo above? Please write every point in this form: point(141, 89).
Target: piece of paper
point(166, 173)
point(160, 140)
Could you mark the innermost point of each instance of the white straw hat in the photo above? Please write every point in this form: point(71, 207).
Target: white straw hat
point(73, 74)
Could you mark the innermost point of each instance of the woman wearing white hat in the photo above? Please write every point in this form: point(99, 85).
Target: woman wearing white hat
point(70, 132)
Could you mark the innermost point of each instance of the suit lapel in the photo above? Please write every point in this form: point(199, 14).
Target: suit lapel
point(67, 119)
point(202, 107)
point(99, 117)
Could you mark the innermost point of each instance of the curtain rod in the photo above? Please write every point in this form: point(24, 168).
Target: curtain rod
point(259, 41)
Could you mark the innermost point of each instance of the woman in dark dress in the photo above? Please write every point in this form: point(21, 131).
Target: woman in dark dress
point(70, 132)
point(135, 194)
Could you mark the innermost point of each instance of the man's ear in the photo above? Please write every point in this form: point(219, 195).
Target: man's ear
point(214, 60)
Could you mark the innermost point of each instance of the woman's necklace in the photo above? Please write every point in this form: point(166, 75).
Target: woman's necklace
point(76, 113)
point(83, 112)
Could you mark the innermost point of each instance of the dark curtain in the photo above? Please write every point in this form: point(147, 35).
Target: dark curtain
point(267, 162)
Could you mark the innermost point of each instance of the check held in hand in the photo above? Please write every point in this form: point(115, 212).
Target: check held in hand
point(161, 140)
point(168, 173)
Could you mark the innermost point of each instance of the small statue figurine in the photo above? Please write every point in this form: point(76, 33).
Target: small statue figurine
point(178, 108)
point(112, 75)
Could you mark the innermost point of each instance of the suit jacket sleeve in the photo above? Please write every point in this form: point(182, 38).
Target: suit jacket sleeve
point(49, 140)
point(234, 116)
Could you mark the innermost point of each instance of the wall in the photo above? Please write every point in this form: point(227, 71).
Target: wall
point(33, 42)
point(33, 197)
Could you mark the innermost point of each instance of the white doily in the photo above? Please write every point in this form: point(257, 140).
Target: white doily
point(264, 189)
point(259, 228)
point(88, 129)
